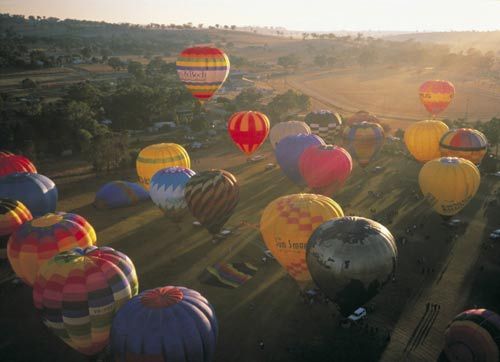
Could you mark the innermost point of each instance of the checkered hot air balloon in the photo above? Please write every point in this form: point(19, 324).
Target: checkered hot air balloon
point(11, 163)
point(38, 240)
point(211, 197)
point(167, 191)
point(288, 222)
point(325, 124)
point(436, 95)
point(466, 143)
point(79, 291)
point(248, 130)
point(12, 215)
point(173, 324)
point(203, 70)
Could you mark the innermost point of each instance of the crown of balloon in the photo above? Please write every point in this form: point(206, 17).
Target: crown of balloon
point(449, 160)
point(162, 297)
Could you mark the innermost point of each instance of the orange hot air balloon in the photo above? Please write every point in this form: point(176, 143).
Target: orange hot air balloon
point(248, 130)
point(436, 95)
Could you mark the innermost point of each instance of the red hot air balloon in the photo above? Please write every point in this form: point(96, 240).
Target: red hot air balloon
point(325, 168)
point(10, 163)
point(436, 95)
point(248, 130)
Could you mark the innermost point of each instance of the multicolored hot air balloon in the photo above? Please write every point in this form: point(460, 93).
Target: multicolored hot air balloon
point(211, 197)
point(203, 70)
point(288, 222)
point(38, 240)
point(363, 141)
point(10, 163)
point(466, 143)
point(351, 259)
point(325, 168)
point(422, 139)
point(174, 324)
point(79, 291)
point(155, 157)
point(449, 183)
point(37, 192)
point(473, 335)
point(248, 130)
point(119, 194)
point(285, 129)
point(12, 215)
point(167, 190)
point(362, 116)
point(436, 95)
point(288, 152)
point(325, 124)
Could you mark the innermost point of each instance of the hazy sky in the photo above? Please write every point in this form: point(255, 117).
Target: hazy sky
point(320, 15)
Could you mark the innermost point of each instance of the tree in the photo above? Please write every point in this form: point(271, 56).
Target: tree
point(136, 69)
point(79, 115)
point(248, 99)
point(115, 63)
point(400, 133)
point(87, 93)
point(289, 61)
point(86, 52)
point(131, 106)
point(108, 151)
point(233, 27)
point(320, 60)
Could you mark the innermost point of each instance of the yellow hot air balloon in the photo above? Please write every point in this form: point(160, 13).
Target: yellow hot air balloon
point(449, 183)
point(155, 157)
point(422, 139)
point(288, 222)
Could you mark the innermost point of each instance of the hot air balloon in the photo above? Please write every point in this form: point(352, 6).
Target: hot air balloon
point(120, 194)
point(167, 190)
point(174, 324)
point(465, 143)
point(363, 141)
point(436, 95)
point(10, 163)
point(449, 183)
point(351, 259)
point(325, 168)
point(362, 116)
point(288, 152)
point(285, 129)
point(37, 192)
point(155, 157)
point(12, 215)
point(203, 70)
point(325, 124)
point(422, 139)
point(79, 291)
point(288, 222)
point(211, 197)
point(473, 335)
point(38, 240)
point(248, 130)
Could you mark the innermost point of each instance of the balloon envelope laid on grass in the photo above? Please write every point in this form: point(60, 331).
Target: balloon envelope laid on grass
point(120, 194)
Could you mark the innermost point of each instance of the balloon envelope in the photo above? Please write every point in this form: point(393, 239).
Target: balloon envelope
point(248, 130)
point(79, 291)
point(36, 191)
point(436, 95)
point(449, 183)
point(465, 143)
point(362, 116)
point(10, 163)
point(288, 222)
point(285, 129)
point(165, 324)
point(325, 124)
point(12, 215)
point(422, 139)
point(120, 194)
point(155, 157)
point(363, 141)
point(288, 152)
point(351, 259)
point(211, 197)
point(203, 70)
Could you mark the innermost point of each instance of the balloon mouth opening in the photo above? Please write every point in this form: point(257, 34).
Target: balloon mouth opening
point(162, 297)
point(327, 147)
point(450, 160)
point(47, 220)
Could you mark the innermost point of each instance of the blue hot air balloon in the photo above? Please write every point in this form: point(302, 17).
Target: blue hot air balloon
point(167, 190)
point(120, 194)
point(174, 324)
point(37, 192)
point(289, 150)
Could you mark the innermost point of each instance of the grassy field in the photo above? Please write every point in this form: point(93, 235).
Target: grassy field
point(268, 307)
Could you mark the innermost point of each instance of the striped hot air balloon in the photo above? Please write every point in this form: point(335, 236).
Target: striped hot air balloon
point(38, 240)
point(248, 130)
point(467, 143)
point(203, 70)
point(284, 129)
point(155, 157)
point(79, 291)
point(436, 95)
point(12, 215)
point(10, 163)
point(211, 197)
point(364, 141)
point(362, 116)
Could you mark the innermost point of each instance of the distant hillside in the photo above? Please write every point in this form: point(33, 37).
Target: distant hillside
point(484, 41)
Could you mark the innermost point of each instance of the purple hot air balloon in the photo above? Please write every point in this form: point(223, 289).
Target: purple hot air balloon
point(289, 150)
point(174, 324)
